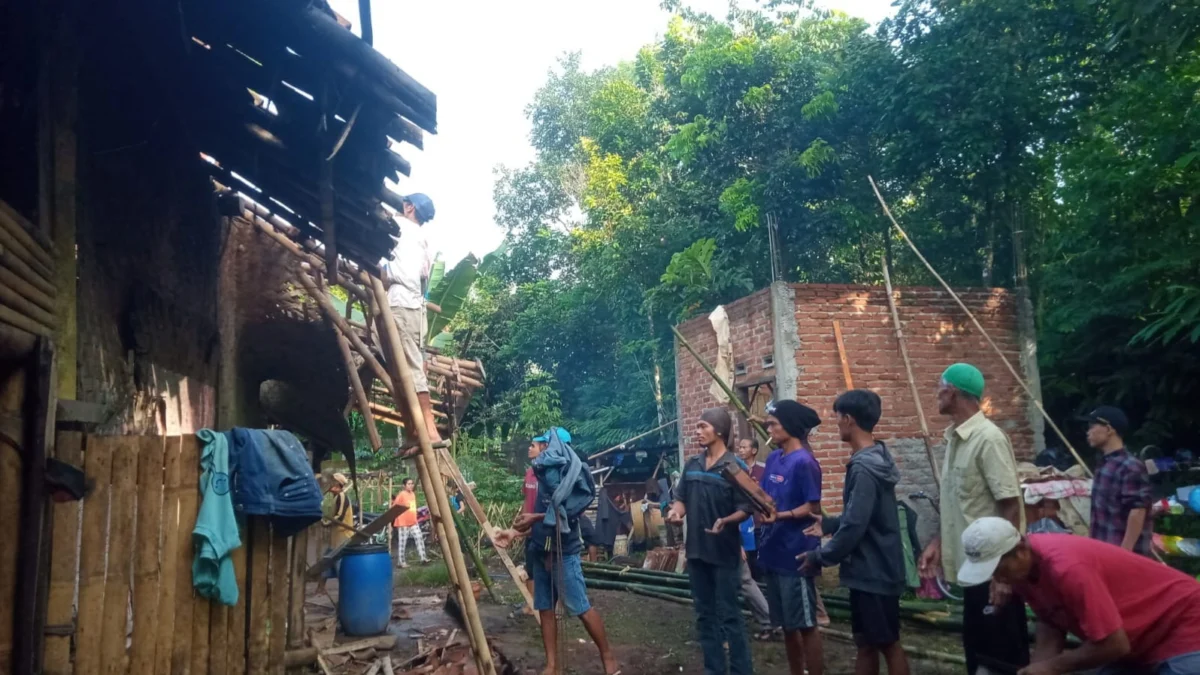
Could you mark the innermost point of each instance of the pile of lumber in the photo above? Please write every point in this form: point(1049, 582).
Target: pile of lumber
point(662, 560)
point(373, 657)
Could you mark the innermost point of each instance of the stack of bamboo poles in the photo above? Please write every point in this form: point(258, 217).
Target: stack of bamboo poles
point(383, 333)
point(27, 291)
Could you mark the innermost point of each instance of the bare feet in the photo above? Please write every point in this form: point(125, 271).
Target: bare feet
point(611, 667)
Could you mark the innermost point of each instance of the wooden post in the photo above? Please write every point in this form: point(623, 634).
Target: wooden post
point(63, 561)
point(912, 381)
point(280, 570)
point(451, 549)
point(480, 514)
point(837, 334)
point(258, 590)
point(295, 637)
point(145, 563)
point(364, 404)
point(120, 550)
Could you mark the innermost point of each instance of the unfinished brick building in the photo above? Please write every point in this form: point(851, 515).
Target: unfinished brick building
point(784, 347)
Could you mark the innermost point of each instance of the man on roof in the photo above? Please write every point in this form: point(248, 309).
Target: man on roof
point(406, 277)
point(1135, 616)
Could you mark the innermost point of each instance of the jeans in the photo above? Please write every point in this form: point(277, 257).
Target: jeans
point(719, 618)
point(567, 584)
point(1184, 664)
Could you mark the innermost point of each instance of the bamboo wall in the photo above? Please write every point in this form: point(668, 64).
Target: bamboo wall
point(121, 597)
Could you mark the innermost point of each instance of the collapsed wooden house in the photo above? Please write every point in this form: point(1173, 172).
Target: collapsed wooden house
point(180, 184)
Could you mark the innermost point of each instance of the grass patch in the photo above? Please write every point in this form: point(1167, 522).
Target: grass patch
point(431, 575)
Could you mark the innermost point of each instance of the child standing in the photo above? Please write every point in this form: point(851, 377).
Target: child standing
point(866, 538)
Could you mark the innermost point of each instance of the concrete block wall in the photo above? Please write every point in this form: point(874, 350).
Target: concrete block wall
point(937, 333)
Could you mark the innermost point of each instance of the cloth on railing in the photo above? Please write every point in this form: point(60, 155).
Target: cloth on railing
point(272, 478)
point(216, 532)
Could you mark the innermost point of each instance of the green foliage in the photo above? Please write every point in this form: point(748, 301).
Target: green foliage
point(1055, 132)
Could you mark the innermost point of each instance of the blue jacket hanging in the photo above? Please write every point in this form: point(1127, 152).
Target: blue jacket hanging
point(570, 483)
point(273, 478)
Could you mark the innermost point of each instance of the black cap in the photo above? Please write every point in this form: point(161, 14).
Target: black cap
point(1111, 416)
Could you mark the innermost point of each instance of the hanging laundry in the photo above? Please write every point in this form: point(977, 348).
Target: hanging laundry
point(216, 533)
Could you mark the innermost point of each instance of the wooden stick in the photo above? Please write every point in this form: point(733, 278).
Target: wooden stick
point(384, 410)
point(169, 570)
point(89, 625)
point(387, 665)
point(451, 547)
point(12, 262)
point(912, 381)
point(26, 289)
point(146, 574)
point(447, 372)
point(344, 280)
point(721, 383)
point(364, 405)
point(14, 318)
point(480, 514)
point(837, 334)
point(331, 312)
point(68, 447)
point(979, 327)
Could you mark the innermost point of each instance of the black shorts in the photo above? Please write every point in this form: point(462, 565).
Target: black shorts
point(874, 619)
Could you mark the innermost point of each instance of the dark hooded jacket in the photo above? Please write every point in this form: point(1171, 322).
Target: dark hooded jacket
point(866, 538)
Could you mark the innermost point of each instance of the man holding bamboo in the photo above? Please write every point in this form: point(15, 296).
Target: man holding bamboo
point(407, 279)
point(979, 480)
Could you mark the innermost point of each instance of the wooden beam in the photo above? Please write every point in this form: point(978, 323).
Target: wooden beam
point(81, 412)
point(841, 346)
point(327, 306)
point(362, 535)
point(356, 385)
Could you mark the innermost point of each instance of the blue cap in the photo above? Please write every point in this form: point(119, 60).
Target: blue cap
point(563, 436)
point(423, 205)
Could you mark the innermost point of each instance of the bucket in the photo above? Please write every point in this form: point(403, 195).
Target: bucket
point(621, 545)
point(365, 590)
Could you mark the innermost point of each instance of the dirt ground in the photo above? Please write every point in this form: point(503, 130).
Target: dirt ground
point(650, 636)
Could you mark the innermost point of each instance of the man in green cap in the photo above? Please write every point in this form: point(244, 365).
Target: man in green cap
point(979, 480)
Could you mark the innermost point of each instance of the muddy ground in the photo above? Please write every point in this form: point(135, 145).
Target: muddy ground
point(649, 636)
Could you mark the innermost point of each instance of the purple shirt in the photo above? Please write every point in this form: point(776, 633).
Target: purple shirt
point(792, 480)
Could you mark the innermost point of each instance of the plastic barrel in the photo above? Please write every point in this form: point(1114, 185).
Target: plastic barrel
point(365, 590)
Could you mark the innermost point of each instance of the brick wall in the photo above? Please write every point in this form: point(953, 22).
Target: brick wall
point(937, 332)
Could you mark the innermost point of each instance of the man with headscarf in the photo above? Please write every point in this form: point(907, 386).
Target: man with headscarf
point(793, 479)
point(714, 509)
point(979, 480)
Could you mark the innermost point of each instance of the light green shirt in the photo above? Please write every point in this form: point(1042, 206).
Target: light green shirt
point(979, 470)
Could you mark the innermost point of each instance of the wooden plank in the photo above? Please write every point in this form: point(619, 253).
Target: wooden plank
point(169, 560)
point(295, 632)
point(235, 651)
point(218, 645)
point(146, 566)
point(260, 612)
point(201, 608)
point(120, 554)
point(189, 482)
point(841, 347)
point(82, 412)
point(10, 512)
point(362, 535)
point(97, 464)
point(64, 562)
point(280, 594)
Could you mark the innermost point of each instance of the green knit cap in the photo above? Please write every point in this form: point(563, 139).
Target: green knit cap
point(964, 377)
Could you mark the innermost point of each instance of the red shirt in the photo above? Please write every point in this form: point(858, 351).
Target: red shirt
point(1092, 589)
point(530, 491)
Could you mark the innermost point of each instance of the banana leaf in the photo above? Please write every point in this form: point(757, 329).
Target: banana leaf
point(450, 292)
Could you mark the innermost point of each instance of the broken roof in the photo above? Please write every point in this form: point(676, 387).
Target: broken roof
point(297, 112)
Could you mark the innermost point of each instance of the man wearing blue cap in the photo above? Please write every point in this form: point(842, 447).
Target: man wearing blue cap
point(407, 281)
point(552, 548)
point(979, 480)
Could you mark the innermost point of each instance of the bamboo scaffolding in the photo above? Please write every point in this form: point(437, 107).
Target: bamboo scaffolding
point(434, 485)
point(18, 266)
point(327, 306)
point(721, 383)
point(841, 346)
point(26, 289)
point(1020, 380)
point(912, 381)
point(364, 405)
point(27, 233)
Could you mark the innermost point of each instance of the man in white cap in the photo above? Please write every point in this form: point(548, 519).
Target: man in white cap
point(407, 281)
point(1134, 616)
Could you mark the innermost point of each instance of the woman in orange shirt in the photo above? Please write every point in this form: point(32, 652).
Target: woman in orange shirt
point(406, 523)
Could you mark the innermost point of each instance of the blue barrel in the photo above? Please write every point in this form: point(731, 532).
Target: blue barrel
point(365, 590)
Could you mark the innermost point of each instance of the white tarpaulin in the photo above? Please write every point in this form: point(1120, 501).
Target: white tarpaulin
point(724, 365)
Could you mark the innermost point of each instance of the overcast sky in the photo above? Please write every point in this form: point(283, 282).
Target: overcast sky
point(484, 60)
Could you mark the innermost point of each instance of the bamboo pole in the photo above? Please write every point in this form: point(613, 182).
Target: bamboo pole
point(480, 514)
point(14, 263)
point(146, 570)
point(1020, 380)
point(841, 346)
point(10, 297)
point(721, 383)
point(445, 371)
point(18, 320)
point(344, 280)
point(912, 380)
point(450, 544)
point(476, 559)
point(39, 263)
point(364, 405)
point(330, 311)
point(25, 232)
point(26, 289)
point(630, 440)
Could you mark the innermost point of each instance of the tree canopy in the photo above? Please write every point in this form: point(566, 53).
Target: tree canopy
point(1058, 137)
